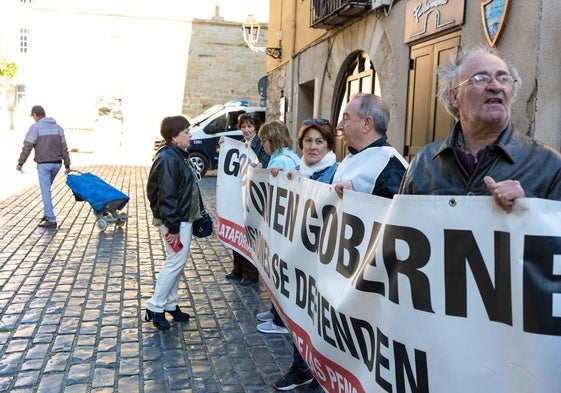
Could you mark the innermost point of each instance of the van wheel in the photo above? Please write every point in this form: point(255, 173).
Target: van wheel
point(200, 162)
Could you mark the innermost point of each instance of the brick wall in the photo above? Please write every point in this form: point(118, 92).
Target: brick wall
point(220, 66)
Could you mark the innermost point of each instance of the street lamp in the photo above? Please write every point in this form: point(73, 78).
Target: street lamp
point(250, 28)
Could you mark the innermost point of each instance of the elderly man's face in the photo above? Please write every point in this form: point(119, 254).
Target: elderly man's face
point(485, 105)
point(351, 125)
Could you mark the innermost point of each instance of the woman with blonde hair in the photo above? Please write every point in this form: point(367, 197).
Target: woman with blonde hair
point(278, 143)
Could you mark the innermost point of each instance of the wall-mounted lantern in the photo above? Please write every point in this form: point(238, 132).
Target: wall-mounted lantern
point(250, 28)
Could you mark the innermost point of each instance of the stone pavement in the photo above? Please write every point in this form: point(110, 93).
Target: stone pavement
point(72, 302)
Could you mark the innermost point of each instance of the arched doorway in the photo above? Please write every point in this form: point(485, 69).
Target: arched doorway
point(357, 76)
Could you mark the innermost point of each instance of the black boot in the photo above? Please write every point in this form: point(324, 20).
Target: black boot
point(158, 318)
point(178, 315)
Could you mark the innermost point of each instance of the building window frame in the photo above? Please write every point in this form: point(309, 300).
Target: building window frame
point(23, 40)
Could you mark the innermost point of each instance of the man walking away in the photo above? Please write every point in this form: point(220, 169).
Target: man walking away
point(47, 138)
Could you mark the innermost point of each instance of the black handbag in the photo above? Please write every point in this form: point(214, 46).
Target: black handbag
point(203, 226)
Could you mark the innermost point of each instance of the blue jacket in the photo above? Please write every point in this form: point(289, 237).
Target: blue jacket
point(284, 158)
point(326, 174)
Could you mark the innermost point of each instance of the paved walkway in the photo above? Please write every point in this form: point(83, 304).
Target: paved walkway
point(72, 301)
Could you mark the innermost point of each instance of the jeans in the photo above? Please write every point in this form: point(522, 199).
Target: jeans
point(47, 173)
point(297, 359)
point(165, 292)
point(276, 317)
point(243, 268)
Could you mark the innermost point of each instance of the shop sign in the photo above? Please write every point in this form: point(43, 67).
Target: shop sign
point(424, 18)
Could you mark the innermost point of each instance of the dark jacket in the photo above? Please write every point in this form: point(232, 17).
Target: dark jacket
point(170, 186)
point(257, 147)
point(437, 171)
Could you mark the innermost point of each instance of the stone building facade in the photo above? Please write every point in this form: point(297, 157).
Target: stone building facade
point(220, 66)
point(393, 50)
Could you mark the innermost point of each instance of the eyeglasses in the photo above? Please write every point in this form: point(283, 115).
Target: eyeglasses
point(483, 80)
point(320, 122)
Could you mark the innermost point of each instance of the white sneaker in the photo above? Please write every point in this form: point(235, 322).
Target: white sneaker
point(270, 327)
point(264, 316)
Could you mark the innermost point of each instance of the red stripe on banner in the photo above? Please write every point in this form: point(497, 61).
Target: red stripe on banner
point(234, 235)
point(332, 376)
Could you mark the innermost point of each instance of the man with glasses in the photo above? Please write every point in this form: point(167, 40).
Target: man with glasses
point(484, 154)
point(373, 166)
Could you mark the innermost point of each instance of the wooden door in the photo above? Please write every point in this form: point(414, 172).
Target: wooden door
point(427, 119)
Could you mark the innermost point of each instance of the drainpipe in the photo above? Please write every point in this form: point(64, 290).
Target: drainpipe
point(291, 70)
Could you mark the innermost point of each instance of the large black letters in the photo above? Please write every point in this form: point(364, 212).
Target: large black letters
point(460, 248)
point(419, 256)
point(540, 284)
point(350, 245)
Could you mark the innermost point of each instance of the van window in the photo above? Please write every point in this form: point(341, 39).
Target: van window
point(234, 120)
point(217, 125)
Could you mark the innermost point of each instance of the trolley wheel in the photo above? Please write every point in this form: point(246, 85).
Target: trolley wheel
point(120, 223)
point(101, 224)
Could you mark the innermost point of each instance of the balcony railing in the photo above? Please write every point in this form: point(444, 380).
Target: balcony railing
point(327, 14)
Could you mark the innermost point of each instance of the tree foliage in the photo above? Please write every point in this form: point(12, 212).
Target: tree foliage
point(8, 69)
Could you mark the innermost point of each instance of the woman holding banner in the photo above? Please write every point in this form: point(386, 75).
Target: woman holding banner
point(248, 123)
point(316, 138)
point(372, 166)
point(278, 143)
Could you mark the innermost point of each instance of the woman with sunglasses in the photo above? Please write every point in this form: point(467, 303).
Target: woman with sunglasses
point(248, 124)
point(316, 138)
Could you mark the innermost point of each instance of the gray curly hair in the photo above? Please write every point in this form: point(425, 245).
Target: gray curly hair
point(448, 75)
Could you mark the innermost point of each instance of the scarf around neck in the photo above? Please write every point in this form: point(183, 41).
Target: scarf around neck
point(327, 160)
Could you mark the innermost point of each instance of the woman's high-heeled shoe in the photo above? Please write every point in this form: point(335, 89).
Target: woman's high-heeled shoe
point(158, 319)
point(178, 315)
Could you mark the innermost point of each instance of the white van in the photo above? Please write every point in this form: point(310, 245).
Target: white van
point(207, 128)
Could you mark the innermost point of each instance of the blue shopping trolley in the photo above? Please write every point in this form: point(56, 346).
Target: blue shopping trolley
point(104, 199)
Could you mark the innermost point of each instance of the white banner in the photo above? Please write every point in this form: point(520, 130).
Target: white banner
point(415, 294)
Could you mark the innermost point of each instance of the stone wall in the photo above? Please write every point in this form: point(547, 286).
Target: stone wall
point(220, 66)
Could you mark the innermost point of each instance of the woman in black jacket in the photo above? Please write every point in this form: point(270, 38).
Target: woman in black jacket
point(173, 195)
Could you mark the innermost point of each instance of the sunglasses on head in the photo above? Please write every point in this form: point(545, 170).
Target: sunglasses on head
point(320, 122)
point(249, 115)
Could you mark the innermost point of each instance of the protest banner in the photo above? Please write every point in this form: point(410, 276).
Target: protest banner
point(415, 294)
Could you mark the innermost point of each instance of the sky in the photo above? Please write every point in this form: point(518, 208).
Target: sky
point(138, 53)
point(234, 10)
point(231, 10)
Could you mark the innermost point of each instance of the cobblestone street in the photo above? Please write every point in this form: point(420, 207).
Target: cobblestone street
point(72, 303)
